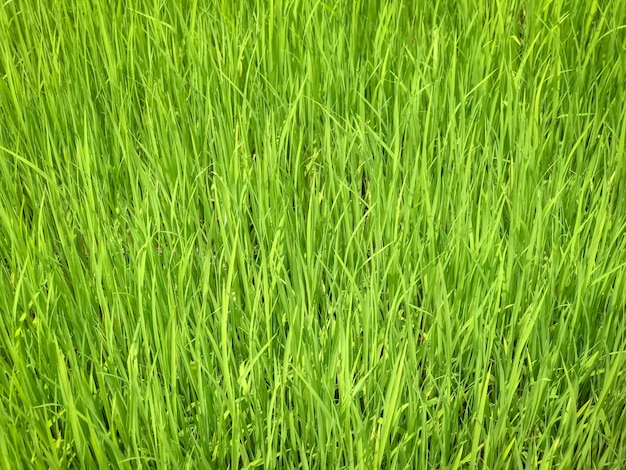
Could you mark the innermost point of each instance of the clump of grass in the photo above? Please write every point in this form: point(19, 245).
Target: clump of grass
point(312, 235)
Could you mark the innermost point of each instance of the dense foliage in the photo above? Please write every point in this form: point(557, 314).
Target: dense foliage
point(293, 234)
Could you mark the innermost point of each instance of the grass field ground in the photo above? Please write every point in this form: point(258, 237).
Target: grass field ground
point(293, 234)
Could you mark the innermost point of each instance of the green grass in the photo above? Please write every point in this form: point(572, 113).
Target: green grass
point(294, 234)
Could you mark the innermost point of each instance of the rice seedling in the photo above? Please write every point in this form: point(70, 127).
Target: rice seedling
point(318, 235)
